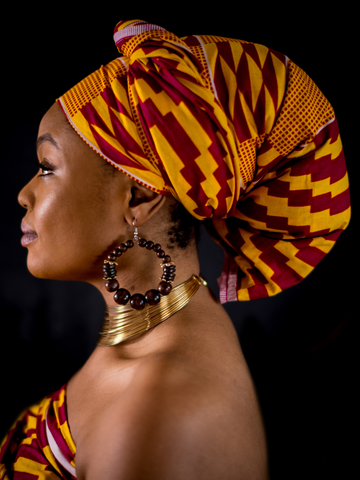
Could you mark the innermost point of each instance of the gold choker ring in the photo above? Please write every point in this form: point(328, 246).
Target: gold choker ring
point(123, 322)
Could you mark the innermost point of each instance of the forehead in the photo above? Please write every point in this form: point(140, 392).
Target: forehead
point(54, 121)
point(55, 131)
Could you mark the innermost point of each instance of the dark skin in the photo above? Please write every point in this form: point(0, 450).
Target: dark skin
point(176, 402)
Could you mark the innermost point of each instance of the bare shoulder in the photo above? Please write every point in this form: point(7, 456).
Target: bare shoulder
point(176, 422)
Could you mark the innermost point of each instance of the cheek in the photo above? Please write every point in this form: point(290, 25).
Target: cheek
point(74, 234)
point(52, 227)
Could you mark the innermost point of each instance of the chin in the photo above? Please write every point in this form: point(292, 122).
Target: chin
point(44, 269)
point(39, 272)
point(50, 270)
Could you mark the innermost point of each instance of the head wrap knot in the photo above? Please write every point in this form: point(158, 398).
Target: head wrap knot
point(237, 133)
point(184, 126)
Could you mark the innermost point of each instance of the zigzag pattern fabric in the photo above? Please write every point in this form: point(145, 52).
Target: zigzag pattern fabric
point(237, 133)
point(39, 445)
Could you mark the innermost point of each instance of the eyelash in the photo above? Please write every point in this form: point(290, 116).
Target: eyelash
point(45, 170)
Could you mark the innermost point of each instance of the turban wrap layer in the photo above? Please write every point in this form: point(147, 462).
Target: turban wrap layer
point(237, 133)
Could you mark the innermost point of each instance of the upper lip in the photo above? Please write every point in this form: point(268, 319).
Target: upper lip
point(26, 229)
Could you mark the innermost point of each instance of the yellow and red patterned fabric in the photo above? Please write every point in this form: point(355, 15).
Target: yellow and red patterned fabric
point(39, 445)
point(236, 132)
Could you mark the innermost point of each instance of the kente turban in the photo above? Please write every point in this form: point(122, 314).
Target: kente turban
point(237, 133)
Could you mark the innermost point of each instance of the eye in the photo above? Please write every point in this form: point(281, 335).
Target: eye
point(46, 169)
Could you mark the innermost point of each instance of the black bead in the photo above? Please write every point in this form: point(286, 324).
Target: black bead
point(109, 273)
point(109, 269)
point(169, 273)
point(108, 265)
point(117, 252)
point(111, 257)
point(169, 277)
point(152, 297)
point(129, 244)
point(169, 269)
point(137, 301)
point(112, 285)
point(122, 296)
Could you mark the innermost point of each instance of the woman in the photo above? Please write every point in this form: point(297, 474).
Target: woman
point(203, 121)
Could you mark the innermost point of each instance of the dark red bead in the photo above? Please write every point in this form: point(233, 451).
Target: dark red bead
point(129, 244)
point(167, 259)
point(164, 288)
point(122, 296)
point(157, 247)
point(111, 257)
point(112, 285)
point(160, 253)
point(117, 252)
point(152, 297)
point(122, 247)
point(142, 242)
point(137, 301)
point(149, 245)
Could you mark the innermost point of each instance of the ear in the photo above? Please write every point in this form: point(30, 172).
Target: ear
point(143, 204)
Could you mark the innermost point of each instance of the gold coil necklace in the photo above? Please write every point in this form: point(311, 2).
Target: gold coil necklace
point(124, 322)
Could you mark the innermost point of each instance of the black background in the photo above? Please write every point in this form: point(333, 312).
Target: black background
point(300, 345)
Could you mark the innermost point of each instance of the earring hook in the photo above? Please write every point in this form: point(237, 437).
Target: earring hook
point(136, 231)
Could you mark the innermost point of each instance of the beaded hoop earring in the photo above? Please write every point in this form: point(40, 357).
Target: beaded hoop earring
point(137, 300)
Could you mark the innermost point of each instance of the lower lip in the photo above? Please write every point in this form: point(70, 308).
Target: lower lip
point(27, 239)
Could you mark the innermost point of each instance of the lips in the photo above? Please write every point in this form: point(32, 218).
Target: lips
point(29, 235)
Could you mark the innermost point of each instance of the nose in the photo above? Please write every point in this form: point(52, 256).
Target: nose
point(26, 197)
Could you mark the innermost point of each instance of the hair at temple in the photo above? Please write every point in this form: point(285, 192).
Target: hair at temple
point(184, 227)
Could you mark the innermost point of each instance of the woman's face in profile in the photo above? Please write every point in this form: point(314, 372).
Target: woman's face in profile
point(71, 204)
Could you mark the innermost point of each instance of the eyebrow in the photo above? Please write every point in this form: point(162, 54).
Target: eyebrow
point(46, 137)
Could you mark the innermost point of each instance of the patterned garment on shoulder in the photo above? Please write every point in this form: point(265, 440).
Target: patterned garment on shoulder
point(39, 445)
